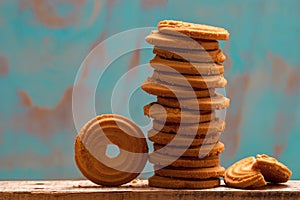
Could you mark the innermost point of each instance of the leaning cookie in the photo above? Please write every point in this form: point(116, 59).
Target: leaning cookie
point(272, 170)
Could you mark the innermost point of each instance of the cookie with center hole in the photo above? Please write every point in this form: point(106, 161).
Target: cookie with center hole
point(91, 145)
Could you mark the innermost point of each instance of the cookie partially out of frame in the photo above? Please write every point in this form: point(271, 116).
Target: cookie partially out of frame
point(193, 30)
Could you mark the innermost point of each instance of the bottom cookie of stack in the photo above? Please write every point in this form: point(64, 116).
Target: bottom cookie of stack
point(190, 170)
point(167, 182)
point(191, 178)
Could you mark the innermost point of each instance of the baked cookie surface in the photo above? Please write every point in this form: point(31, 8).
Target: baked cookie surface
point(157, 38)
point(91, 144)
point(193, 30)
point(193, 68)
point(167, 182)
point(242, 174)
point(272, 170)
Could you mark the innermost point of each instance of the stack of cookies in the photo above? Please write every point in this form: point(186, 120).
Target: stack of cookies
point(186, 130)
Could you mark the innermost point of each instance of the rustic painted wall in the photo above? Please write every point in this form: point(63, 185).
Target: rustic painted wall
point(42, 44)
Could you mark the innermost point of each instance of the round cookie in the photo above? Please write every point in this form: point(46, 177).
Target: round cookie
point(91, 144)
point(203, 82)
point(216, 102)
point(175, 115)
point(157, 38)
point(193, 30)
point(158, 88)
point(191, 173)
point(161, 64)
point(190, 55)
point(272, 170)
point(198, 151)
point(165, 138)
point(188, 162)
point(167, 182)
point(242, 174)
point(213, 126)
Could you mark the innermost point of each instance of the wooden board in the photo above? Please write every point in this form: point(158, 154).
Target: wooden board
point(85, 190)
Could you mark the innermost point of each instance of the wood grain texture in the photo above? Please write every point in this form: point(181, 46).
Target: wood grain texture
point(81, 190)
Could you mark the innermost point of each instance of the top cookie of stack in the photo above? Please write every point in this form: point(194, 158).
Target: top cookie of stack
point(187, 69)
point(187, 55)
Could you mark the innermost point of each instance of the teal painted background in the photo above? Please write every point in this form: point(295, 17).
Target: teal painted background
point(43, 42)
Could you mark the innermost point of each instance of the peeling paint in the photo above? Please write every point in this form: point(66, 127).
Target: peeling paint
point(101, 38)
point(134, 61)
point(41, 121)
point(4, 65)
point(32, 160)
point(283, 124)
point(46, 12)
point(150, 4)
point(237, 90)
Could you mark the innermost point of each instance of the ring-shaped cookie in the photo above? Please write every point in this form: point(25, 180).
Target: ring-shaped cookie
point(91, 144)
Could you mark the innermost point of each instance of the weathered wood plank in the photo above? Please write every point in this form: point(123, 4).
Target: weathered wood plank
point(79, 190)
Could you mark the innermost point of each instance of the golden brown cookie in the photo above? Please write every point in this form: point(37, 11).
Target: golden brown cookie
point(190, 173)
point(175, 115)
point(178, 140)
point(167, 182)
point(158, 88)
point(213, 126)
point(201, 151)
point(157, 38)
point(242, 174)
point(203, 82)
point(193, 30)
point(190, 55)
point(91, 144)
point(272, 170)
point(188, 162)
point(216, 102)
point(193, 68)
